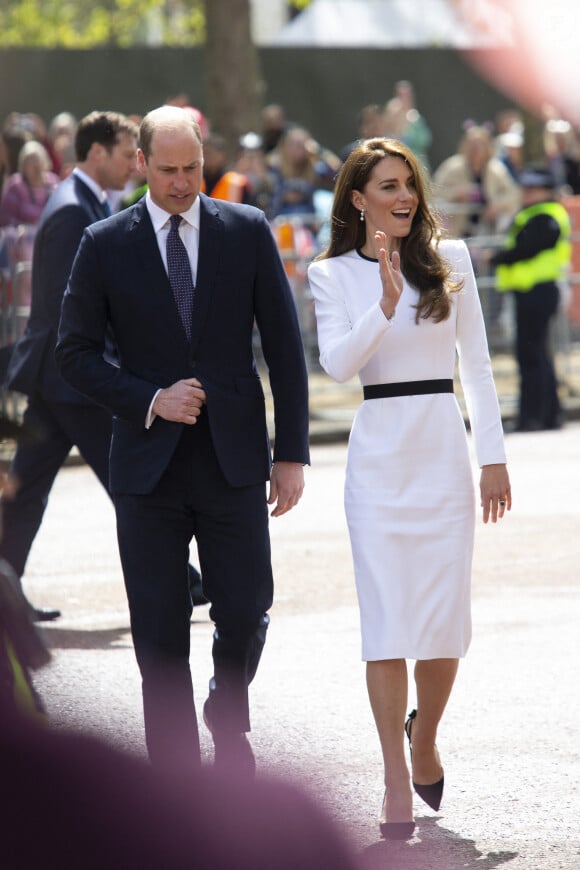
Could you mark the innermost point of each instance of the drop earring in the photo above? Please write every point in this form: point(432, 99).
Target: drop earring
point(362, 214)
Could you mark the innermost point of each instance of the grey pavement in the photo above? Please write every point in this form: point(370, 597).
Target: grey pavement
point(510, 738)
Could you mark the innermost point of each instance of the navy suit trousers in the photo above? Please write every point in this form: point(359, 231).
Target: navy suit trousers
point(230, 526)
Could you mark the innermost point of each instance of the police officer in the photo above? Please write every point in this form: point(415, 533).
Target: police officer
point(534, 260)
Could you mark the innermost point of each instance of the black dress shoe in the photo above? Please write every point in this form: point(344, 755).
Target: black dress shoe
point(232, 750)
point(44, 614)
point(195, 588)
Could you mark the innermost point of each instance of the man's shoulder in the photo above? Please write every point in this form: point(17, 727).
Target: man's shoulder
point(123, 220)
point(68, 195)
point(231, 211)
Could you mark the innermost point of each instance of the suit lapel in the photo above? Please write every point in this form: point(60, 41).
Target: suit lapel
point(210, 236)
point(85, 195)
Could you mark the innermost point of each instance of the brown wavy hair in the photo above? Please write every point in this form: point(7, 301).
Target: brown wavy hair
point(421, 262)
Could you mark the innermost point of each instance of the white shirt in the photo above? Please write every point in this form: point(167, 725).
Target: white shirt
point(91, 184)
point(189, 234)
point(188, 231)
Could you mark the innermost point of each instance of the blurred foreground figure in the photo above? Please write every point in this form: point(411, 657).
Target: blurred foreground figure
point(22, 649)
point(95, 808)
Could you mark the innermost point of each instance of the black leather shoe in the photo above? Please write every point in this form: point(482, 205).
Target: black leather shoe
point(195, 588)
point(232, 750)
point(44, 614)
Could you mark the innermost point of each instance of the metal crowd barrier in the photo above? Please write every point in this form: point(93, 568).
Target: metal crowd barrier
point(300, 238)
point(16, 245)
point(299, 241)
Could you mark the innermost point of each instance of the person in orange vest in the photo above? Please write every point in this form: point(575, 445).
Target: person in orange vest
point(219, 181)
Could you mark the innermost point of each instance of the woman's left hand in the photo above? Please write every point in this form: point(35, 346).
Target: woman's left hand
point(391, 275)
point(496, 494)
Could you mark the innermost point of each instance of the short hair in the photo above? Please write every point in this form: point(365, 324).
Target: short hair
point(167, 118)
point(103, 128)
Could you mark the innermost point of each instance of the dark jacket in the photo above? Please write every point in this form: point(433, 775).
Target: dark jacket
point(70, 209)
point(118, 278)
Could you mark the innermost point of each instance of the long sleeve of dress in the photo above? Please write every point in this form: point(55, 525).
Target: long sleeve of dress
point(475, 370)
point(345, 345)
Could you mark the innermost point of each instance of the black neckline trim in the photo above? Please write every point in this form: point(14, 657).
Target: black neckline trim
point(364, 256)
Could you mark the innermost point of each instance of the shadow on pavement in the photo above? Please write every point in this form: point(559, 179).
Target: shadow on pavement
point(110, 638)
point(432, 848)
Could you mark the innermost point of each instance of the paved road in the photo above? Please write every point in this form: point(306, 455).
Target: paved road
point(511, 736)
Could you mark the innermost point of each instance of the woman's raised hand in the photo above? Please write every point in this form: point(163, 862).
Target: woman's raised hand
point(391, 275)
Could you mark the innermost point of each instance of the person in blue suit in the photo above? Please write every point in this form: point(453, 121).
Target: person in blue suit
point(190, 454)
point(106, 146)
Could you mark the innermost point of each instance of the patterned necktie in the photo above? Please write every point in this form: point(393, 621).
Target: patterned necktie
point(179, 271)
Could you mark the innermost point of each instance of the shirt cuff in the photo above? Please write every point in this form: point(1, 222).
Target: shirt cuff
point(150, 413)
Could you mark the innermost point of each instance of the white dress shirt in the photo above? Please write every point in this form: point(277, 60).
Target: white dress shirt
point(189, 233)
point(91, 184)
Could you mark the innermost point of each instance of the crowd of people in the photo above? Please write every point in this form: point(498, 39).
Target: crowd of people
point(285, 171)
point(139, 351)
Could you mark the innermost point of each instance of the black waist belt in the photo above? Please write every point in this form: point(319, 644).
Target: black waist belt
point(408, 388)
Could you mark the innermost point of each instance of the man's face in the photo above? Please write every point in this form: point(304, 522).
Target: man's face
point(174, 170)
point(117, 165)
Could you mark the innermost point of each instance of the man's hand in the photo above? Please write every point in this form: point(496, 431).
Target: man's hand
point(286, 486)
point(181, 402)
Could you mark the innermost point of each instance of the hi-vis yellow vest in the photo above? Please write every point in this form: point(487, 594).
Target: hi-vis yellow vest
point(548, 265)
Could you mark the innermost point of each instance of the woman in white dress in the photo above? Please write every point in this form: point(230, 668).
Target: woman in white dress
point(394, 304)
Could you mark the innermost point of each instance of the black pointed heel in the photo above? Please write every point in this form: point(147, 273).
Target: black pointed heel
point(433, 792)
point(396, 830)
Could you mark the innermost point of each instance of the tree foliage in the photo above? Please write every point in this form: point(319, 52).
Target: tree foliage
point(92, 24)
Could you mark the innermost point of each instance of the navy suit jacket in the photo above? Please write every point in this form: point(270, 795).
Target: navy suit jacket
point(118, 278)
point(70, 209)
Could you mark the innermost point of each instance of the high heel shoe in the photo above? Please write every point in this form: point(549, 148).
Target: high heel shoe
point(432, 793)
point(396, 830)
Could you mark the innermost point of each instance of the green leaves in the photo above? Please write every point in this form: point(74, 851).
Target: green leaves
point(90, 24)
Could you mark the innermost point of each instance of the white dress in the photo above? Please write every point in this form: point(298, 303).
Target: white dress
point(409, 490)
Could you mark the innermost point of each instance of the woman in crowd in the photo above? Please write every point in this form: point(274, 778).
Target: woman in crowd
point(300, 167)
point(394, 303)
point(475, 189)
point(27, 191)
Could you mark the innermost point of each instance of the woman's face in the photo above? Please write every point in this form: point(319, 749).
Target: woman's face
point(33, 170)
point(477, 153)
point(296, 146)
point(389, 198)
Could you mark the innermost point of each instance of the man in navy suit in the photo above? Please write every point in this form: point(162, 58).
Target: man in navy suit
point(60, 417)
point(190, 455)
